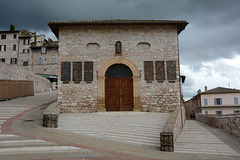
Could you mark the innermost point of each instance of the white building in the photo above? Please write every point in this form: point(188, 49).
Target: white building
point(220, 101)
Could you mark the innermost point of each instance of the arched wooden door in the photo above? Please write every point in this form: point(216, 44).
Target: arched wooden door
point(119, 88)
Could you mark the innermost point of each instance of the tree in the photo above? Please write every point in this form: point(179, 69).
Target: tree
point(12, 27)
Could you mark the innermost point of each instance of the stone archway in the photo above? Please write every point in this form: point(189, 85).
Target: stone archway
point(101, 82)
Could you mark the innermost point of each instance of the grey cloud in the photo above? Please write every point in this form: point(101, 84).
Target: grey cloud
point(213, 31)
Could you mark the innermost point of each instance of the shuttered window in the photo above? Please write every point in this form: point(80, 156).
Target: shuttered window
point(218, 101)
point(88, 72)
point(3, 47)
point(26, 42)
point(235, 100)
point(160, 71)
point(205, 101)
point(25, 63)
point(148, 71)
point(2, 59)
point(25, 50)
point(65, 71)
point(13, 60)
point(40, 60)
point(53, 59)
point(3, 36)
point(77, 72)
point(14, 47)
point(171, 70)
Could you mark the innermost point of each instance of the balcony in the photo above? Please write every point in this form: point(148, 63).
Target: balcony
point(48, 44)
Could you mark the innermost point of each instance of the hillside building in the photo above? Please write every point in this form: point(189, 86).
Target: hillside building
point(118, 65)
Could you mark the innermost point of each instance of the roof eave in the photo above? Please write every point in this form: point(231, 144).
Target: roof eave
point(54, 26)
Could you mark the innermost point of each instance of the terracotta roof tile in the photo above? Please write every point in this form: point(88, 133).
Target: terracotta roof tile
point(221, 90)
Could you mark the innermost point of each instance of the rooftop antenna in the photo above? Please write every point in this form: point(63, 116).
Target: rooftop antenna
point(229, 84)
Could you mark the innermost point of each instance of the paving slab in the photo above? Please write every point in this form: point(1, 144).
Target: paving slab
point(110, 137)
point(197, 137)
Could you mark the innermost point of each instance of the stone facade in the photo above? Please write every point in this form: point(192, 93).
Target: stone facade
point(7, 41)
point(17, 50)
point(140, 43)
point(45, 62)
point(25, 48)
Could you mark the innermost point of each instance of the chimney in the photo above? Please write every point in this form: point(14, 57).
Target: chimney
point(199, 91)
point(35, 38)
point(205, 88)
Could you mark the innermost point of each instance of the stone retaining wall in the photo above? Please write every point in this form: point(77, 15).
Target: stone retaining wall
point(14, 89)
point(14, 73)
point(172, 129)
point(229, 123)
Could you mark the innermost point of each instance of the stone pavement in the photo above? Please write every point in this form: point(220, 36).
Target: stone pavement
point(30, 140)
point(21, 147)
point(197, 137)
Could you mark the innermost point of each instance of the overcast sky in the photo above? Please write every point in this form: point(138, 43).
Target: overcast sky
point(209, 46)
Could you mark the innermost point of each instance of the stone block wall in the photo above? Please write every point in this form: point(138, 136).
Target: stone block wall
point(139, 43)
point(9, 72)
point(173, 127)
point(14, 89)
point(229, 123)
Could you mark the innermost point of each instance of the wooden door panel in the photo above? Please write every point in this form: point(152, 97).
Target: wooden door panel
point(111, 94)
point(126, 84)
point(126, 94)
point(119, 94)
point(112, 84)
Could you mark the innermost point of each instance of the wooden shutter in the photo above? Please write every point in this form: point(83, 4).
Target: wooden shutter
point(77, 72)
point(148, 71)
point(160, 71)
point(88, 72)
point(171, 70)
point(65, 71)
point(5, 47)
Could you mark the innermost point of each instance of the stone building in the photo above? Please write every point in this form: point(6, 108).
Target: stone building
point(14, 47)
point(118, 65)
point(44, 59)
point(29, 51)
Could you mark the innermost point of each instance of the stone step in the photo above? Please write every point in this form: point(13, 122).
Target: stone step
point(29, 143)
point(139, 135)
point(134, 136)
point(155, 143)
point(4, 137)
point(46, 152)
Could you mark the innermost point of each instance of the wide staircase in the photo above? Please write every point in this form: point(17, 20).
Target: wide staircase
point(137, 128)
